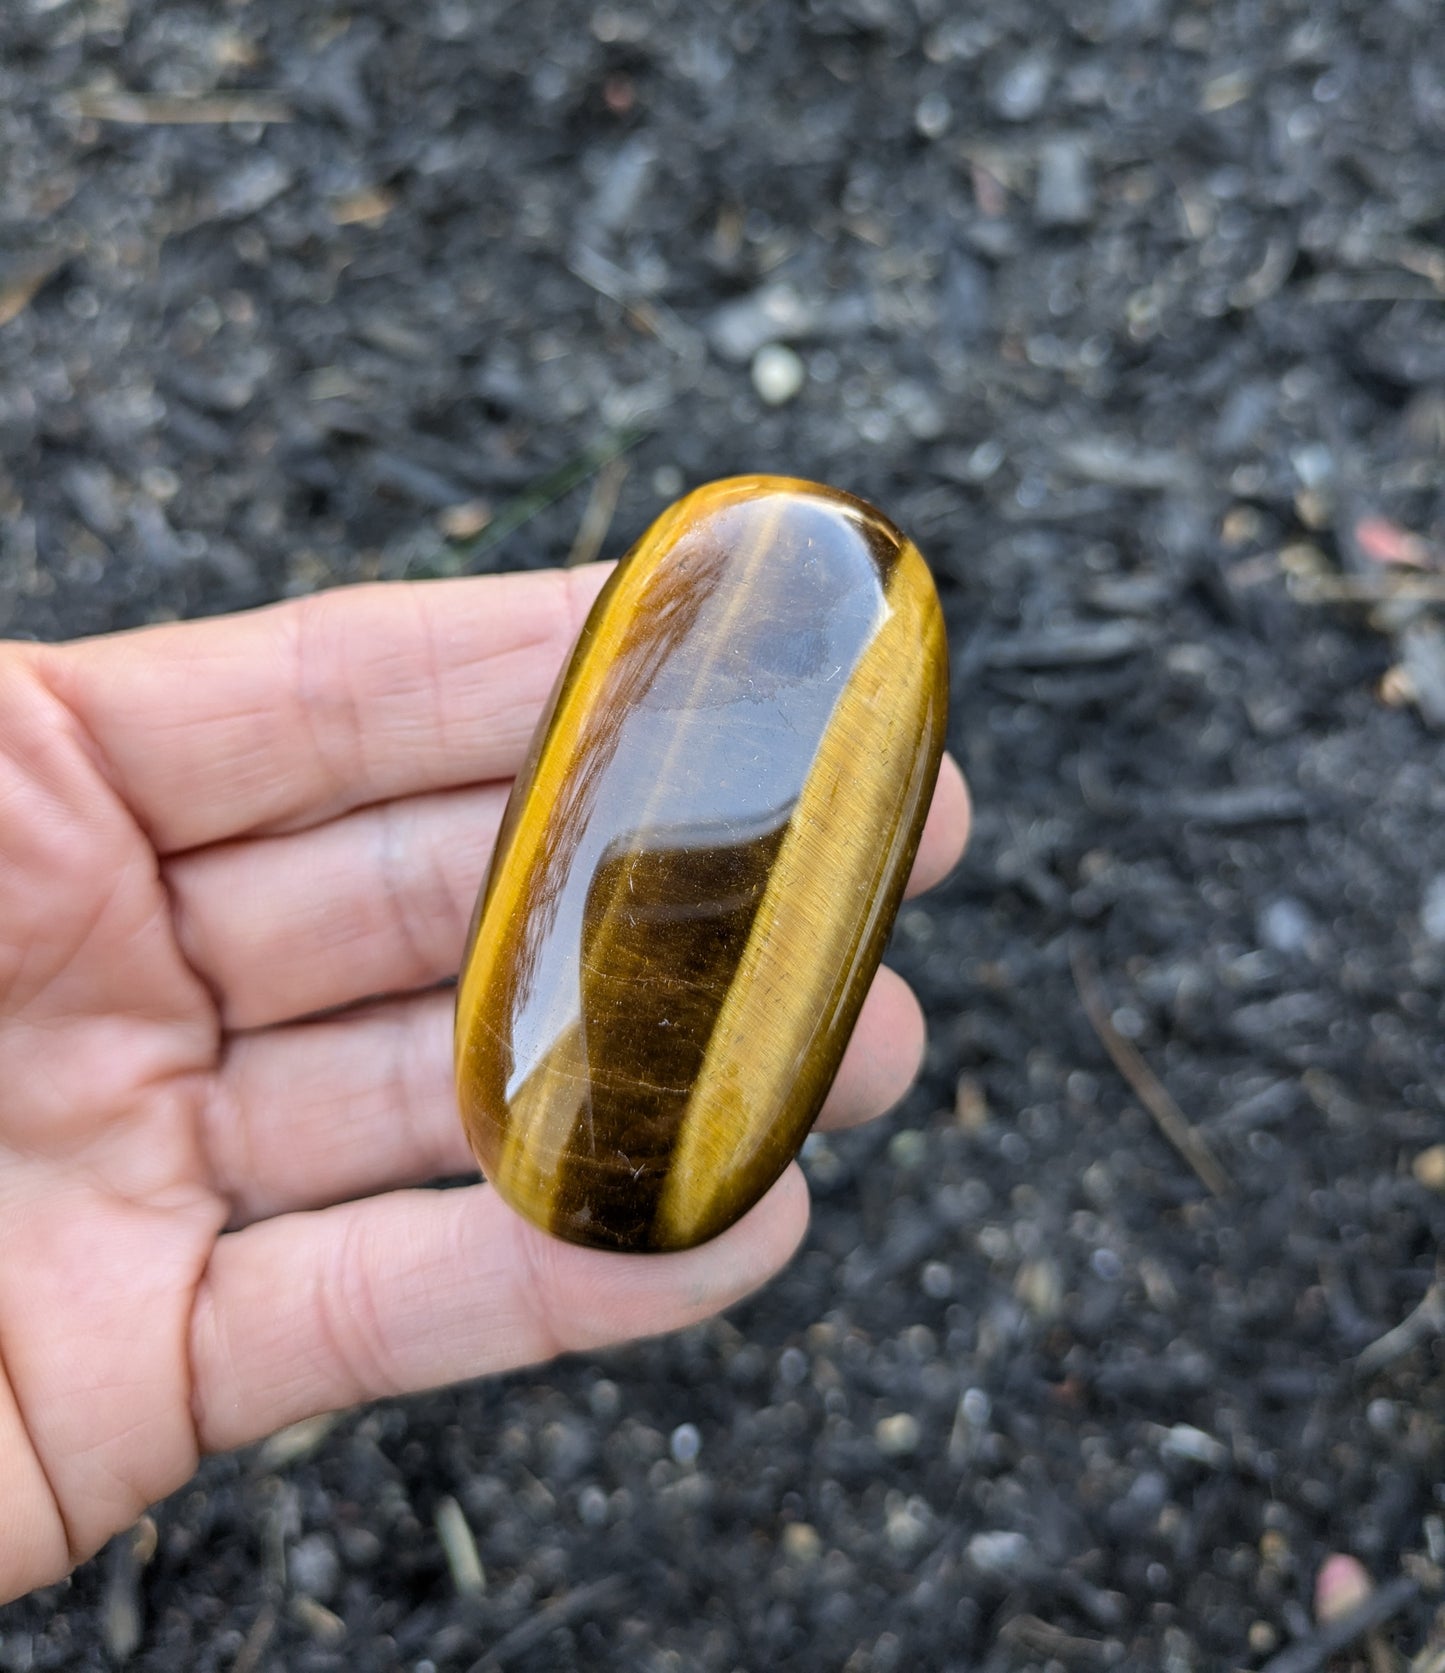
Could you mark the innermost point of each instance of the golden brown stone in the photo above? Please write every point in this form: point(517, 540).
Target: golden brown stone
point(700, 863)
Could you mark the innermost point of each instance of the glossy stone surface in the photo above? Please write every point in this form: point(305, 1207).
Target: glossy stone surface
point(700, 864)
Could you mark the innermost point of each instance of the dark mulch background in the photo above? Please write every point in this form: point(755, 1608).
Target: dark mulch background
point(1131, 310)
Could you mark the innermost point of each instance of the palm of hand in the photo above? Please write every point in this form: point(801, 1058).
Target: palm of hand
point(209, 836)
point(108, 1045)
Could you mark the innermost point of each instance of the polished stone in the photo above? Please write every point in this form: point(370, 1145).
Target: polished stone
point(700, 864)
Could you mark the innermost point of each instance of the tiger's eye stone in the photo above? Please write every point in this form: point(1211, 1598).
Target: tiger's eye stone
point(700, 863)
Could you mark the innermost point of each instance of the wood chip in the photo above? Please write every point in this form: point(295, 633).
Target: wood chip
point(1079, 646)
point(295, 1442)
point(465, 520)
point(1225, 90)
point(120, 1610)
point(1239, 806)
point(17, 294)
point(160, 109)
point(368, 207)
point(324, 1625)
point(970, 1104)
point(459, 1546)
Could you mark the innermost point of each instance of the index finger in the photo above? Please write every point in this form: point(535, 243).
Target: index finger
point(284, 717)
point(418, 1288)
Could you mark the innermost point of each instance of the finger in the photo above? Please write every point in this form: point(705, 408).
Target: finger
point(323, 1112)
point(379, 901)
point(945, 835)
point(883, 1057)
point(422, 1288)
point(287, 716)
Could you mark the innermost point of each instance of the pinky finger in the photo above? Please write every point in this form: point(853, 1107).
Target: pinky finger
point(421, 1288)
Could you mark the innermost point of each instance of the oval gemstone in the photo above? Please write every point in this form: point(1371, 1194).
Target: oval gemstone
point(700, 863)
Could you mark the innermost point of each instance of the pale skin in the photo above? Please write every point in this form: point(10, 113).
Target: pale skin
point(237, 860)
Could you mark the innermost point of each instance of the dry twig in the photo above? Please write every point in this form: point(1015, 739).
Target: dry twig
point(597, 518)
point(560, 1612)
point(459, 555)
point(157, 109)
point(1308, 1655)
point(248, 1657)
point(1412, 1332)
point(654, 317)
point(1148, 1088)
point(1043, 1638)
point(1368, 589)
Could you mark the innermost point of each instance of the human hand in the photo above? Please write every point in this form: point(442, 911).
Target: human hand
point(214, 836)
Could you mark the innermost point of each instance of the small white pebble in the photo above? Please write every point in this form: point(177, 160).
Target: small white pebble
point(801, 1542)
point(685, 1443)
point(937, 1281)
point(592, 1507)
point(1001, 1551)
point(161, 484)
point(822, 1164)
point(605, 1399)
point(1381, 1416)
point(977, 1407)
point(897, 1435)
point(994, 1242)
point(907, 1526)
point(1285, 925)
point(1194, 1446)
point(985, 460)
point(1313, 464)
point(933, 116)
point(1129, 1023)
point(1262, 1637)
point(1040, 1286)
point(793, 1367)
point(1014, 1148)
point(778, 374)
point(1429, 1168)
point(908, 1149)
point(314, 1568)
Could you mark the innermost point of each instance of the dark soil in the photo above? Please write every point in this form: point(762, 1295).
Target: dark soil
point(1131, 311)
